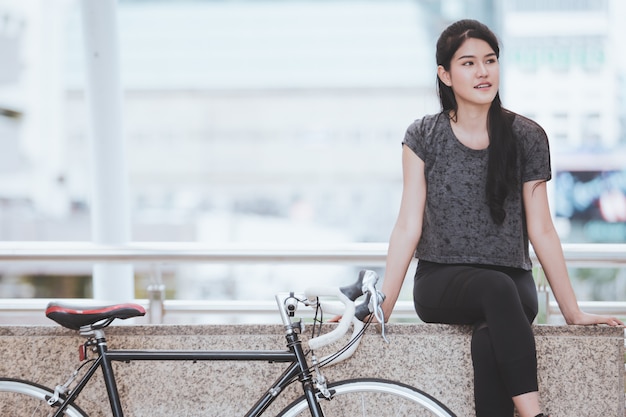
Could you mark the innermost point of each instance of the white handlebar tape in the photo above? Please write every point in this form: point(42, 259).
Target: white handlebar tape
point(347, 314)
point(357, 325)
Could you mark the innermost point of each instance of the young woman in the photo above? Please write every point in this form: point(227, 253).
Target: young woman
point(474, 194)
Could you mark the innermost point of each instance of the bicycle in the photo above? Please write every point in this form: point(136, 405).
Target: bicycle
point(363, 397)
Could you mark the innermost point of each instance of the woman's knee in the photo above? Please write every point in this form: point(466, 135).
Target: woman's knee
point(499, 286)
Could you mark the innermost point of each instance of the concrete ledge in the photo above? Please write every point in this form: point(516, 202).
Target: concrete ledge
point(581, 369)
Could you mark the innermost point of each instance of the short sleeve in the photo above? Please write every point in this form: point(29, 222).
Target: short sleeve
point(535, 150)
point(414, 139)
point(420, 134)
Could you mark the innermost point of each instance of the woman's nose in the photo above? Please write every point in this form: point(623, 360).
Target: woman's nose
point(482, 70)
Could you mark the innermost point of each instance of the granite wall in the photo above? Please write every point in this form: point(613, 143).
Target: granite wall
point(581, 369)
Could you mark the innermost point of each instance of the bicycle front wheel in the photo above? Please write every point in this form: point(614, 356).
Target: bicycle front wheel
point(26, 399)
point(372, 398)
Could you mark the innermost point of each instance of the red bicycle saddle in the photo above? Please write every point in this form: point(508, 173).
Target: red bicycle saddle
point(75, 317)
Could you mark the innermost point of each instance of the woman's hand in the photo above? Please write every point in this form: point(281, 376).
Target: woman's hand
point(335, 319)
point(586, 319)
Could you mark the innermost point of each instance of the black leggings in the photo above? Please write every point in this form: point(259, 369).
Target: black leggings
point(501, 303)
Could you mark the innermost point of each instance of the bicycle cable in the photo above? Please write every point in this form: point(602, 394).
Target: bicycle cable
point(318, 321)
point(348, 345)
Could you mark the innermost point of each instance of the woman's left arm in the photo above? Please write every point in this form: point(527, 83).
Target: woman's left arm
point(547, 246)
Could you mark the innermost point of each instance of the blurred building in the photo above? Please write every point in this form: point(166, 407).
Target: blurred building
point(265, 108)
point(245, 121)
point(562, 66)
point(564, 69)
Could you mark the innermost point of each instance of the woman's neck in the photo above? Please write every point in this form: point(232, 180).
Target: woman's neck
point(470, 127)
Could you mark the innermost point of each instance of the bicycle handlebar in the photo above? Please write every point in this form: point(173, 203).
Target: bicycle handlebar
point(347, 314)
point(365, 285)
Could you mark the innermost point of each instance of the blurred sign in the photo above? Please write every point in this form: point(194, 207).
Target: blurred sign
point(594, 202)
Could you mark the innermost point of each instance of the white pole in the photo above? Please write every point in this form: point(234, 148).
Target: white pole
point(110, 211)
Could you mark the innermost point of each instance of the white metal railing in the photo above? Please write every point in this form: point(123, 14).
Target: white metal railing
point(355, 253)
point(159, 252)
point(370, 254)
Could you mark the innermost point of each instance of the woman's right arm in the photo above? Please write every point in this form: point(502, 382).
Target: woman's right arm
point(407, 230)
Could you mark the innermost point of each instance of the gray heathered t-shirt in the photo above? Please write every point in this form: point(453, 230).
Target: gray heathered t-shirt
point(457, 224)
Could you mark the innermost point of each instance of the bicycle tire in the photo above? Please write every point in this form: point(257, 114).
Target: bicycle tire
point(28, 399)
point(369, 397)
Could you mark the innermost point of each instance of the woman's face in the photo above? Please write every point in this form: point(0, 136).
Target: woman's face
point(474, 73)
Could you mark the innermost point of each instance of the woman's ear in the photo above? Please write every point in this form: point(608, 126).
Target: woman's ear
point(444, 76)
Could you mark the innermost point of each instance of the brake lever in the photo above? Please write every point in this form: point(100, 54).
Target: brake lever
point(377, 300)
point(373, 301)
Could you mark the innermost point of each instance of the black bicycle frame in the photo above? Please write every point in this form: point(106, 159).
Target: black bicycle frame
point(295, 355)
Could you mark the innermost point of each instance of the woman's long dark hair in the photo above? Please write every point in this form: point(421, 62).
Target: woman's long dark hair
point(502, 167)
